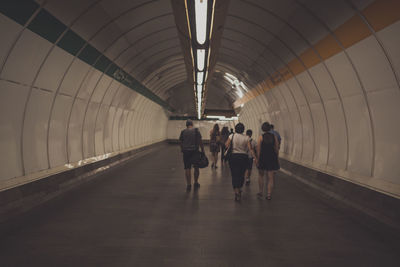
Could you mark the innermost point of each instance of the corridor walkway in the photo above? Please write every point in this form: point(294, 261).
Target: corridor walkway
point(139, 214)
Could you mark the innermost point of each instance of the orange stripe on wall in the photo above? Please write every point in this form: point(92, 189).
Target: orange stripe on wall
point(352, 31)
point(382, 13)
point(379, 15)
point(328, 47)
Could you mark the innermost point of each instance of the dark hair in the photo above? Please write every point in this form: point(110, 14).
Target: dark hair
point(215, 128)
point(272, 126)
point(266, 127)
point(249, 132)
point(239, 128)
point(189, 123)
point(224, 131)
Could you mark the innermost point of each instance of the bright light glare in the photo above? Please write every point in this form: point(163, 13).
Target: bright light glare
point(200, 8)
point(201, 56)
point(238, 85)
point(222, 118)
point(199, 98)
point(240, 93)
point(200, 76)
point(199, 109)
point(199, 90)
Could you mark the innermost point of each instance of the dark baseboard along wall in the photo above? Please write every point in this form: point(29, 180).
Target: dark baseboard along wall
point(381, 207)
point(19, 199)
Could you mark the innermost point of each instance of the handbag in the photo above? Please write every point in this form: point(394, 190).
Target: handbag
point(199, 159)
point(228, 152)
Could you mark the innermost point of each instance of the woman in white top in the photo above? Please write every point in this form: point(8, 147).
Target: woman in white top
point(239, 158)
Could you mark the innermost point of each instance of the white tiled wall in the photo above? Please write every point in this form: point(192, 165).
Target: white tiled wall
point(56, 109)
point(349, 119)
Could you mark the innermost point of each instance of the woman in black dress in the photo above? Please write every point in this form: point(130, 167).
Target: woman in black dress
point(214, 144)
point(224, 138)
point(268, 151)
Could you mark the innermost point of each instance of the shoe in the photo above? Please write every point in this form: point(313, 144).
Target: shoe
point(196, 185)
point(188, 188)
point(260, 195)
point(247, 181)
point(268, 198)
point(237, 197)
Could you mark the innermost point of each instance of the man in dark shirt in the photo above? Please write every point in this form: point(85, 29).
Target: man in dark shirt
point(190, 140)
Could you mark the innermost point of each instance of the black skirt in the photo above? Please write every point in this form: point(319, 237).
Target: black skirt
point(268, 162)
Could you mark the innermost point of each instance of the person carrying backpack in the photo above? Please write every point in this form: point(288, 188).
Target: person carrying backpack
point(190, 141)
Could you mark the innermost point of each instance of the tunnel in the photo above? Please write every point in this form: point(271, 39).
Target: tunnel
point(94, 95)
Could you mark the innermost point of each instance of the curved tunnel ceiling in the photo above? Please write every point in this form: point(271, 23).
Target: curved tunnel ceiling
point(259, 39)
point(139, 36)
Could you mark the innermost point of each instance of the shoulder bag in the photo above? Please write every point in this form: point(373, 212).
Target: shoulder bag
point(199, 159)
point(229, 151)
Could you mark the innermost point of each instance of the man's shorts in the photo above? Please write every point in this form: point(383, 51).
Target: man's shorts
point(187, 159)
point(249, 164)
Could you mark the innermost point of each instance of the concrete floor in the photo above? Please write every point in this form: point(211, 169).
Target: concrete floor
point(139, 214)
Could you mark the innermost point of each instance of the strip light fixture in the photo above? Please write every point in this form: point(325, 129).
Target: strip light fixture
point(201, 58)
point(222, 118)
point(200, 16)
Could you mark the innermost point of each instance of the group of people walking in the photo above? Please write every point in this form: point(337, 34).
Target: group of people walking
point(217, 144)
point(237, 148)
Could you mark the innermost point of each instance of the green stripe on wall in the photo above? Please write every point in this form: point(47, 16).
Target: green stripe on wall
point(50, 28)
point(47, 26)
point(89, 54)
point(18, 10)
point(103, 63)
point(71, 42)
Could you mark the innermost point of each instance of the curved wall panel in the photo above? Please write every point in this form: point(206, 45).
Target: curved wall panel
point(56, 110)
point(341, 115)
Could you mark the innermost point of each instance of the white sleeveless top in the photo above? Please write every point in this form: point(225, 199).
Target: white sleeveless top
point(240, 143)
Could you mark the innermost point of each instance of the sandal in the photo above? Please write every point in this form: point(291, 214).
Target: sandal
point(268, 198)
point(237, 197)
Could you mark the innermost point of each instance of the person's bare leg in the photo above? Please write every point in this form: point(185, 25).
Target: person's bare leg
point(196, 175)
point(247, 176)
point(188, 176)
point(261, 181)
point(237, 193)
point(270, 183)
point(216, 159)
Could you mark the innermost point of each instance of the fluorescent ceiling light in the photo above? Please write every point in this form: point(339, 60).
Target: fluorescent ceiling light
point(199, 108)
point(222, 118)
point(200, 9)
point(233, 77)
point(215, 117)
point(201, 56)
point(199, 99)
point(200, 77)
point(199, 91)
point(240, 93)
